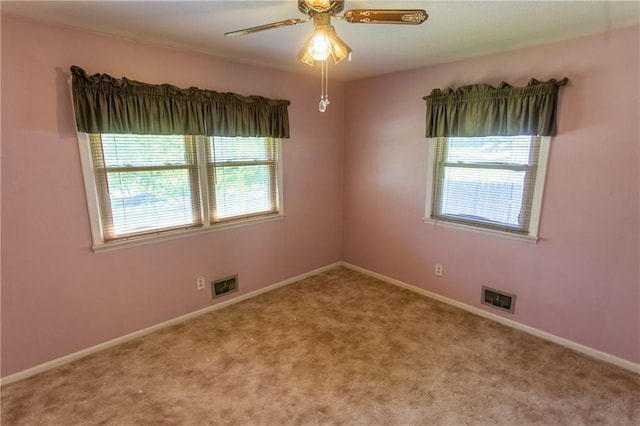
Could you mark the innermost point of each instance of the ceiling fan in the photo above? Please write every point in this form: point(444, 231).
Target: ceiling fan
point(323, 10)
point(325, 42)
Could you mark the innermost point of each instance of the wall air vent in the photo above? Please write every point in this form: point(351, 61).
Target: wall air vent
point(224, 286)
point(498, 299)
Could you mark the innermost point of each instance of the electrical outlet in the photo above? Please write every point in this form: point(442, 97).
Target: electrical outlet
point(200, 283)
point(439, 270)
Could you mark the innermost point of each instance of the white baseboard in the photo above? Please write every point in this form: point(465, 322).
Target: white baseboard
point(119, 340)
point(603, 356)
point(514, 324)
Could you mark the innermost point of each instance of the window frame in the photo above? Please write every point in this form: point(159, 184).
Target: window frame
point(212, 164)
point(104, 200)
point(536, 202)
point(96, 215)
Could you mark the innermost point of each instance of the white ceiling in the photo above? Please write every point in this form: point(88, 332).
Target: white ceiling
point(454, 30)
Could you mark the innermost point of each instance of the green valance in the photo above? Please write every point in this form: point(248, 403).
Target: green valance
point(484, 110)
point(104, 104)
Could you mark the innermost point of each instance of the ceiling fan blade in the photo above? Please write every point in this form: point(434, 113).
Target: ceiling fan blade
point(385, 16)
point(285, 23)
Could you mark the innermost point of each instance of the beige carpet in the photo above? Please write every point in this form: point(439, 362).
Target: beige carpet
point(336, 348)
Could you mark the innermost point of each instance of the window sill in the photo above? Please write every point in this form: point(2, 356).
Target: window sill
point(526, 238)
point(140, 241)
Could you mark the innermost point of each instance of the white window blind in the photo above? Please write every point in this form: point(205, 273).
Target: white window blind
point(486, 182)
point(145, 183)
point(242, 176)
point(144, 186)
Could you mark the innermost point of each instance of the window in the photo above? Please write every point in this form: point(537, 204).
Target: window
point(242, 177)
point(148, 186)
point(491, 183)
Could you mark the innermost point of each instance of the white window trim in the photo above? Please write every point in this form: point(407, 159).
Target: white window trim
point(536, 204)
point(97, 236)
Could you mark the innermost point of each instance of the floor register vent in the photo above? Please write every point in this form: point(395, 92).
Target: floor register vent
point(498, 299)
point(224, 286)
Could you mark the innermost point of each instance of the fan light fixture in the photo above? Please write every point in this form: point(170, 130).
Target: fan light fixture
point(324, 43)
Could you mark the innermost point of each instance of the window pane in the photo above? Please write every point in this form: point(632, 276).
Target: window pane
point(143, 201)
point(490, 149)
point(239, 149)
point(144, 150)
point(492, 196)
point(146, 184)
point(485, 181)
point(243, 176)
point(243, 190)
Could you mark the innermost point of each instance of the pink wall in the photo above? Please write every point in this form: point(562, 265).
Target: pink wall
point(581, 281)
point(57, 296)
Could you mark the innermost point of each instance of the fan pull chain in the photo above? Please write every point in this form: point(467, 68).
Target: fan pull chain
point(324, 86)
